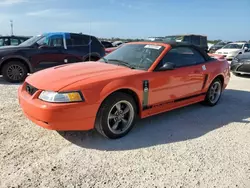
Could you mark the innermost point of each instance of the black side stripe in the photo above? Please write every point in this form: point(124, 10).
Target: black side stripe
point(145, 87)
point(177, 100)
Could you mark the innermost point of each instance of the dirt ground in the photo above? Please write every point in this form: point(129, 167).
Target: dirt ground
point(195, 146)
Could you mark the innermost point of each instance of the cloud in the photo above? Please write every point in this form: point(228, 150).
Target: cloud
point(49, 13)
point(11, 2)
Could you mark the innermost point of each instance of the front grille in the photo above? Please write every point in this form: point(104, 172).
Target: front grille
point(244, 68)
point(30, 89)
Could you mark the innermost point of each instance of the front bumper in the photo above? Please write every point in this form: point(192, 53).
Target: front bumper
point(240, 68)
point(53, 116)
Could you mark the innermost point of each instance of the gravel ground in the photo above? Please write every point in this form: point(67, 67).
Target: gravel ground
point(195, 146)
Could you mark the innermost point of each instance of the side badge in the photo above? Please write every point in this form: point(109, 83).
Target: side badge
point(204, 67)
point(145, 94)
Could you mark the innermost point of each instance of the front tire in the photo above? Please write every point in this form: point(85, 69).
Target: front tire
point(14, 72)
point(116, 116)
point(214, 93)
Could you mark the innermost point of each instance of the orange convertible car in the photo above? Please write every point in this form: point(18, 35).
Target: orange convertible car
point(139, 79)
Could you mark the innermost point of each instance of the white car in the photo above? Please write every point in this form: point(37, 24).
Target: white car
point(231, 50)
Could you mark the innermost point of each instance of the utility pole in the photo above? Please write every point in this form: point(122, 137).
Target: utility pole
point(11, 27)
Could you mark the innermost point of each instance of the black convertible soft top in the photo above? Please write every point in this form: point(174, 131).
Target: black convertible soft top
point(185, 44)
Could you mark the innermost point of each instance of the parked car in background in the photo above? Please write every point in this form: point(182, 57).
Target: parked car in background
point(198, 40)
point(155, 38)
point(12, 40)
point(241, 64)
point(117, 43)
point(109, 50)
point(218, 46)
point(107, 44)
point(47, 50)
point(209, 45)
point(139, 79)
point(233, 49)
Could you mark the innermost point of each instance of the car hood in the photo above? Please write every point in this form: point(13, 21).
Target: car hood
point(11, 48)
point(56, 78)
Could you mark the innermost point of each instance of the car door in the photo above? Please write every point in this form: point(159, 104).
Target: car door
point(51, 52)
point(78, 47)
point(186, 80)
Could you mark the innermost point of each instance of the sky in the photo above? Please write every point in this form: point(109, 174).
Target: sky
point(217, 19)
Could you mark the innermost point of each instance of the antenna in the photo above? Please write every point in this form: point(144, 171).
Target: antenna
point(11, 27)
point(90, 41)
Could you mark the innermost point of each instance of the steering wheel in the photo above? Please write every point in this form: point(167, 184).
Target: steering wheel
point(148, 61)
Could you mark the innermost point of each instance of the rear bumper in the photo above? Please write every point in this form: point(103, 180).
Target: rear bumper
point(73, 116)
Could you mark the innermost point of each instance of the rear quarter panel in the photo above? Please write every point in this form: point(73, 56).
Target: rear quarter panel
point(214, 68)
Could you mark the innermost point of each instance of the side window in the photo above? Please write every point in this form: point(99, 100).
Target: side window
point(14, 42)
point(1, 42)
point(6, 42)
point(187, 39)
point(56, 41)
point(43, 41)
point(247, 45)
point(78, 40)
point(183, 56)
point(21, 41)
point(203, 41)
point(195, 40)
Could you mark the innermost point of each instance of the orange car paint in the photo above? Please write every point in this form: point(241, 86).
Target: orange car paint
point(96, 80)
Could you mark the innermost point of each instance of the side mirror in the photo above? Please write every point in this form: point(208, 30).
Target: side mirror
point(43, 47)
point(167, 66)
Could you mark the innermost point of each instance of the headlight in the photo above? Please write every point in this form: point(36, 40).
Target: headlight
point(235, 60)
point(61, 97)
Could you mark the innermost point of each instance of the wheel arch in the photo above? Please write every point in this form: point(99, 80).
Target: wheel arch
point(127, 91)
point(94, 55)
point(220, 77)
point(16, 58)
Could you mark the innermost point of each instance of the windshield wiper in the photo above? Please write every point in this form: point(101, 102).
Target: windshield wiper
point(120, 62)
point(105, 60)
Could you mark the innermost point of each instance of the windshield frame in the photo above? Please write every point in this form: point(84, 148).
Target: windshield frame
point(137, 65)
point(31, 41)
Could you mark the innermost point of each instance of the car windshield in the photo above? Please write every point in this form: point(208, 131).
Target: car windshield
point(220, 44)
point(233, 46)
point(137, 56)
point(31, 41)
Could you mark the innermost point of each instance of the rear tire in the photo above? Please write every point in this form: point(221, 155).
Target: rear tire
point(116, 116)
point(213, 93)
point(14, 72)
